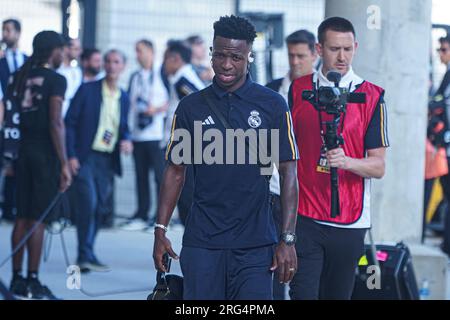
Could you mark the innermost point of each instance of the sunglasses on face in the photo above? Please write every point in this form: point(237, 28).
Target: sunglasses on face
point(443, 50)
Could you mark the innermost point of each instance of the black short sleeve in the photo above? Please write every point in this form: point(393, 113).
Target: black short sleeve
point(180, 125)
point(57, 86)
point(184, 88)
point(377, 132)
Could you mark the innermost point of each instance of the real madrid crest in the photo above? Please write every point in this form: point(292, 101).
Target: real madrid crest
point(254, 120)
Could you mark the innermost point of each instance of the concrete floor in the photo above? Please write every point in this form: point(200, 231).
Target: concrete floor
point(129, 254)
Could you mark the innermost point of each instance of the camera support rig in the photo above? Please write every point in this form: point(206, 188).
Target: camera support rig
point(332, 100)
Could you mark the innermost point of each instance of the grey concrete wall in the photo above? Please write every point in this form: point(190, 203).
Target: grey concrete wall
point(396, 57)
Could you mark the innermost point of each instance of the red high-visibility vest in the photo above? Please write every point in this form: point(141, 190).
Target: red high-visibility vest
point(314, 186)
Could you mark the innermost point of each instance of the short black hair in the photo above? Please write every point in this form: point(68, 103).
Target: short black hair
point(88, 53)
point(120, 53)
point(234, 27)
point(72, 40)
point(15, 23)
point(335, 24)
point(194, 39)
point(302, 36)
point(68, 40)
point(180, 47)
point(445, 39)
point(146, 42)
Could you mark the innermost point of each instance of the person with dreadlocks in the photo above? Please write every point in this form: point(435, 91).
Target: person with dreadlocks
point(42, 166)
point(230, 248)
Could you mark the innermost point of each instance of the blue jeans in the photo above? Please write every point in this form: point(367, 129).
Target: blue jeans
point(92, 188)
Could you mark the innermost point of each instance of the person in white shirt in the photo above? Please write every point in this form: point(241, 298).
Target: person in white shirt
point(199, 59)
point(183, 81)
point(71, 71)
point(182, 77)
point(301, 55)
point(331, 238)
point(149, 103)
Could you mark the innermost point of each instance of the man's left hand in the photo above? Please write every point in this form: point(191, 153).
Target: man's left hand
point(285, 260)
point(337, 158)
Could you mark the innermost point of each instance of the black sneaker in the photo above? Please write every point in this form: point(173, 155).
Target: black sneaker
point(37, 291)
point(18, 287)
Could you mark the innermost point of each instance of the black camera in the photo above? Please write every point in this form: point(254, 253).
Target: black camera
point(332, 100)
point(143, 119)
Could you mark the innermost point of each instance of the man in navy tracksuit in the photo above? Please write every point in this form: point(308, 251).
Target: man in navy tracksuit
point(230, 247)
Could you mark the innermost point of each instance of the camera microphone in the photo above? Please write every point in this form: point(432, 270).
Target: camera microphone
point(334, 76)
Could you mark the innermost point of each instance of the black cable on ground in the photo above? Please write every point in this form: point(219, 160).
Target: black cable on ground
point(48, 241)
point(33, 228)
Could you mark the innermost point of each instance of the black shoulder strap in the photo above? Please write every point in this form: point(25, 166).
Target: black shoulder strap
point(214, 110)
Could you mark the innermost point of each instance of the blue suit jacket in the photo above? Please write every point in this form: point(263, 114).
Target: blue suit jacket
point(82, 120)
point(5, 72)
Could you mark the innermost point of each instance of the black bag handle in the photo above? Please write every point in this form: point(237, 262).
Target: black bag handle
point(162, 289)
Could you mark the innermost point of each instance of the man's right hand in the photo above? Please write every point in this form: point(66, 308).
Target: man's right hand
point(161, 246)
point(74, 165)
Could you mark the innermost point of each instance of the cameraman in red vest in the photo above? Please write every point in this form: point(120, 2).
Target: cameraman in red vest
point(328, 248)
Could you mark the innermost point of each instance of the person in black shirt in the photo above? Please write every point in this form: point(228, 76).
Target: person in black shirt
point(42, 167)
point(230, 247)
